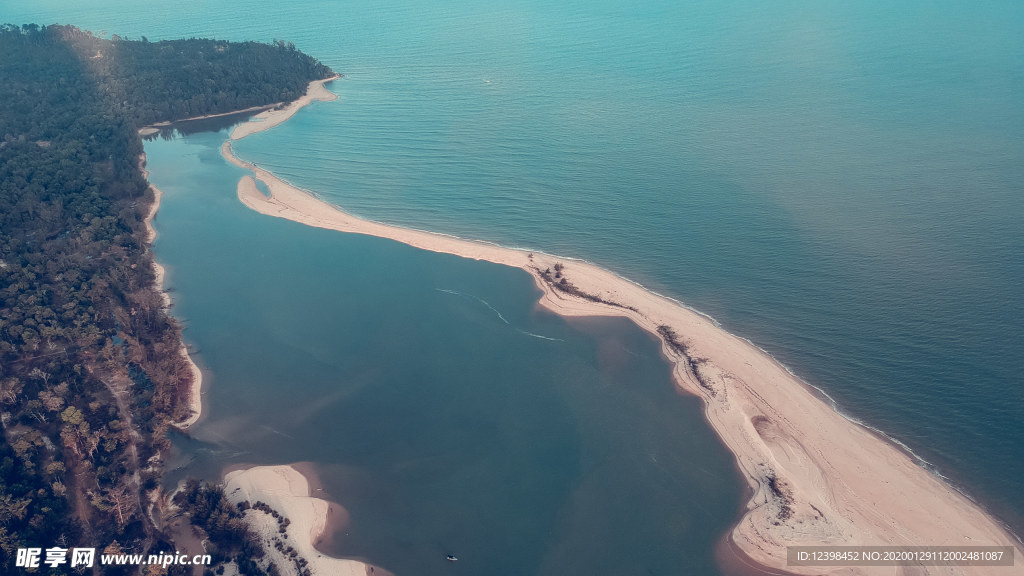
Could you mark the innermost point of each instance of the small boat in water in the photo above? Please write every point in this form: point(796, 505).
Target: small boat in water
point(451, 558)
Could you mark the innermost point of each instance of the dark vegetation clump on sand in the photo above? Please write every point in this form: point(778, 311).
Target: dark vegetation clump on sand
point(693, 364)
point(559, 282)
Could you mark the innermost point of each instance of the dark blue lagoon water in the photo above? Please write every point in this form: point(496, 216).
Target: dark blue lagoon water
point(840, 182)
point(440, 406)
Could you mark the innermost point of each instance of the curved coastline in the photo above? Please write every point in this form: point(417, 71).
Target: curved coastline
point(274, 116)
point(816, 476)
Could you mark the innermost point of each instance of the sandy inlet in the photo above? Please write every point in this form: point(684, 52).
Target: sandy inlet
point(815, 477)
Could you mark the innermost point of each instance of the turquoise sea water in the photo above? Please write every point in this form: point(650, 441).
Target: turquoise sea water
point(840, 182)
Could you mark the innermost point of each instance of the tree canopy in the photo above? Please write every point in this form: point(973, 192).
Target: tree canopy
point(90, 374)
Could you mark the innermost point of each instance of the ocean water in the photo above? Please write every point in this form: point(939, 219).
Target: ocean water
point(840, 182)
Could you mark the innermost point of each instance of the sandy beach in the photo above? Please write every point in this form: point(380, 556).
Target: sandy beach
point(195, 403)
point(287, 491)
point(816, 477)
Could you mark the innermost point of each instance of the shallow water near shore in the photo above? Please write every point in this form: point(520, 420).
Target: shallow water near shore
point(440, 407)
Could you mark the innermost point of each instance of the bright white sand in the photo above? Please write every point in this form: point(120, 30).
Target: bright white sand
point(835, 482)
point(286, 490)
point(195, 393)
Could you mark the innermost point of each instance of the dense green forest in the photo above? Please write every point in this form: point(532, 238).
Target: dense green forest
point(90, 374)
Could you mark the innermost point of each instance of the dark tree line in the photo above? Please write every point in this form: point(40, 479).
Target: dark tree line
point(150, 82)
point(90, 375)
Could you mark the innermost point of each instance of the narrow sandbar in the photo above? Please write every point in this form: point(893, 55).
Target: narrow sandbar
point(154, 128)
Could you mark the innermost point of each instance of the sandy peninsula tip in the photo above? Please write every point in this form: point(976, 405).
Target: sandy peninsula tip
point(287, 491)
point(315, 91)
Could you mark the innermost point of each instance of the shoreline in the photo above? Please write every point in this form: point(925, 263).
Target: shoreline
point(195, 402)
point(288, 491)
point(816, 476)
point(272, 117)
point(155, 128)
